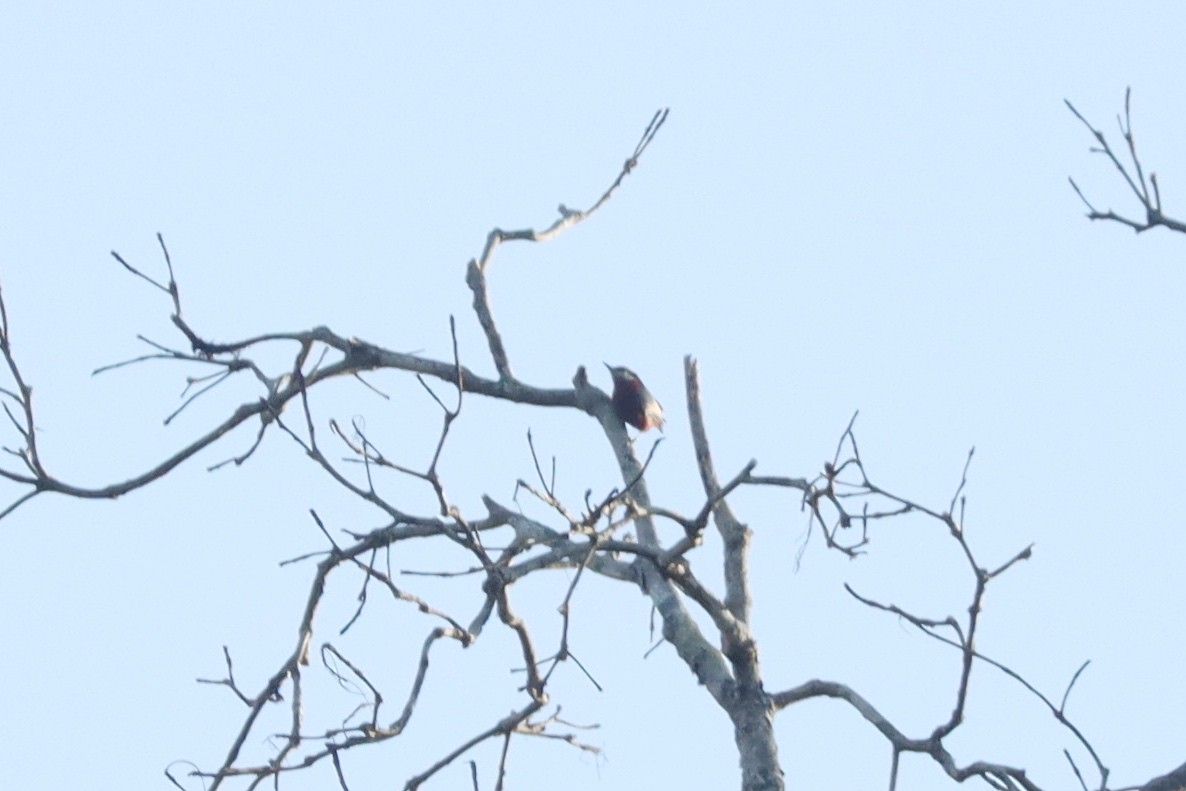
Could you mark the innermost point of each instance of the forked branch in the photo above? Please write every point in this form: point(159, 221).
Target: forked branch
point(1144, 188)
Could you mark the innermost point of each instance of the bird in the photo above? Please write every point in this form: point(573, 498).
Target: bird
point(633, 403)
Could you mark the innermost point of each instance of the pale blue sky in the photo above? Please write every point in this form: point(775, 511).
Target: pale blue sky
point(860, 206)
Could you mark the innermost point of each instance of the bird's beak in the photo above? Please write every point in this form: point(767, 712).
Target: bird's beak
point(610, 367)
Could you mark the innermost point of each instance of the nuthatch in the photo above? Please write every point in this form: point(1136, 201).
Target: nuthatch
point(633, 403)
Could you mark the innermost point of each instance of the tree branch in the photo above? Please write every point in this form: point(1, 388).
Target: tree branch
point(1146, 191)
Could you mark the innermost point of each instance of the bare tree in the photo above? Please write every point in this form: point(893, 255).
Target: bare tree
point(1145, 188)
point(612, 535)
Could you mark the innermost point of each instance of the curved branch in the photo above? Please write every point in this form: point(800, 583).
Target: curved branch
point(932, 746)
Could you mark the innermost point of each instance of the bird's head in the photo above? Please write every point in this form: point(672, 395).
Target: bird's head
point(622, 375)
